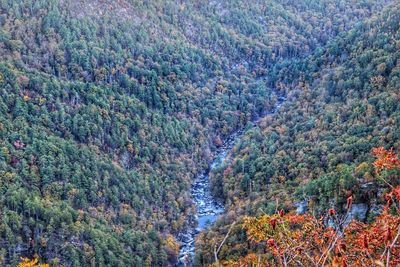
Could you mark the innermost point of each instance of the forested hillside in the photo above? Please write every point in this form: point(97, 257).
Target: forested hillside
point(109, 109)
point(342, 101)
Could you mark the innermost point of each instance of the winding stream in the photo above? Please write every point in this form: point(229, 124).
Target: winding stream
point(209, 208)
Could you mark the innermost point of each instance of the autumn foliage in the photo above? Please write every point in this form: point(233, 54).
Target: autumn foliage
point(25, 262)
point(303, 240)
point(386, 159)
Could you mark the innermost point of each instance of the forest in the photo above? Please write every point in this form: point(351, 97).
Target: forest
point(109, 110)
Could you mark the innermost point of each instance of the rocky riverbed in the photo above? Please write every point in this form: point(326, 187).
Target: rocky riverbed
point(209, 208)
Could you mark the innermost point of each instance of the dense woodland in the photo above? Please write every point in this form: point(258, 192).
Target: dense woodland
point(333, 239)
point(342, 101)
point(109, 109)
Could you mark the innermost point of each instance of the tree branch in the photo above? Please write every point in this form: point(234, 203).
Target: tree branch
point(216, 251)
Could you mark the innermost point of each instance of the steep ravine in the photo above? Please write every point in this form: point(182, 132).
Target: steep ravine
point(209, 208)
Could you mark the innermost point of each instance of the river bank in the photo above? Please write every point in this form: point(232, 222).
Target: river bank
point(209, 208)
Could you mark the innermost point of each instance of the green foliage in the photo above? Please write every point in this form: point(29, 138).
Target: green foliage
point(108, 109)
point(342, 100)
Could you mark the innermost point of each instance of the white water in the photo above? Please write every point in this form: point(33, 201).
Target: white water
point(209, 208)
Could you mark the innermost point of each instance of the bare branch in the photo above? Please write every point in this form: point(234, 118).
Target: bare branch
point(216, 251)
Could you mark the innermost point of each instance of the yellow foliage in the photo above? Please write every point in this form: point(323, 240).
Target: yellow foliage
point(172, 244)
point(131, 148)
point(31, 263)
point(42, 100)
point(148, 261)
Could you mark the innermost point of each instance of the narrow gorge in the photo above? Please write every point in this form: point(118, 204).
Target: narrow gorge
point(208, 206)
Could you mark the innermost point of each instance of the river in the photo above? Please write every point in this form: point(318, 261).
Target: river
point(209, 208)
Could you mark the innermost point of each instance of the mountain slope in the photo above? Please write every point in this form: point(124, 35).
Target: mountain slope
point(110, 108)
point(341, 102)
